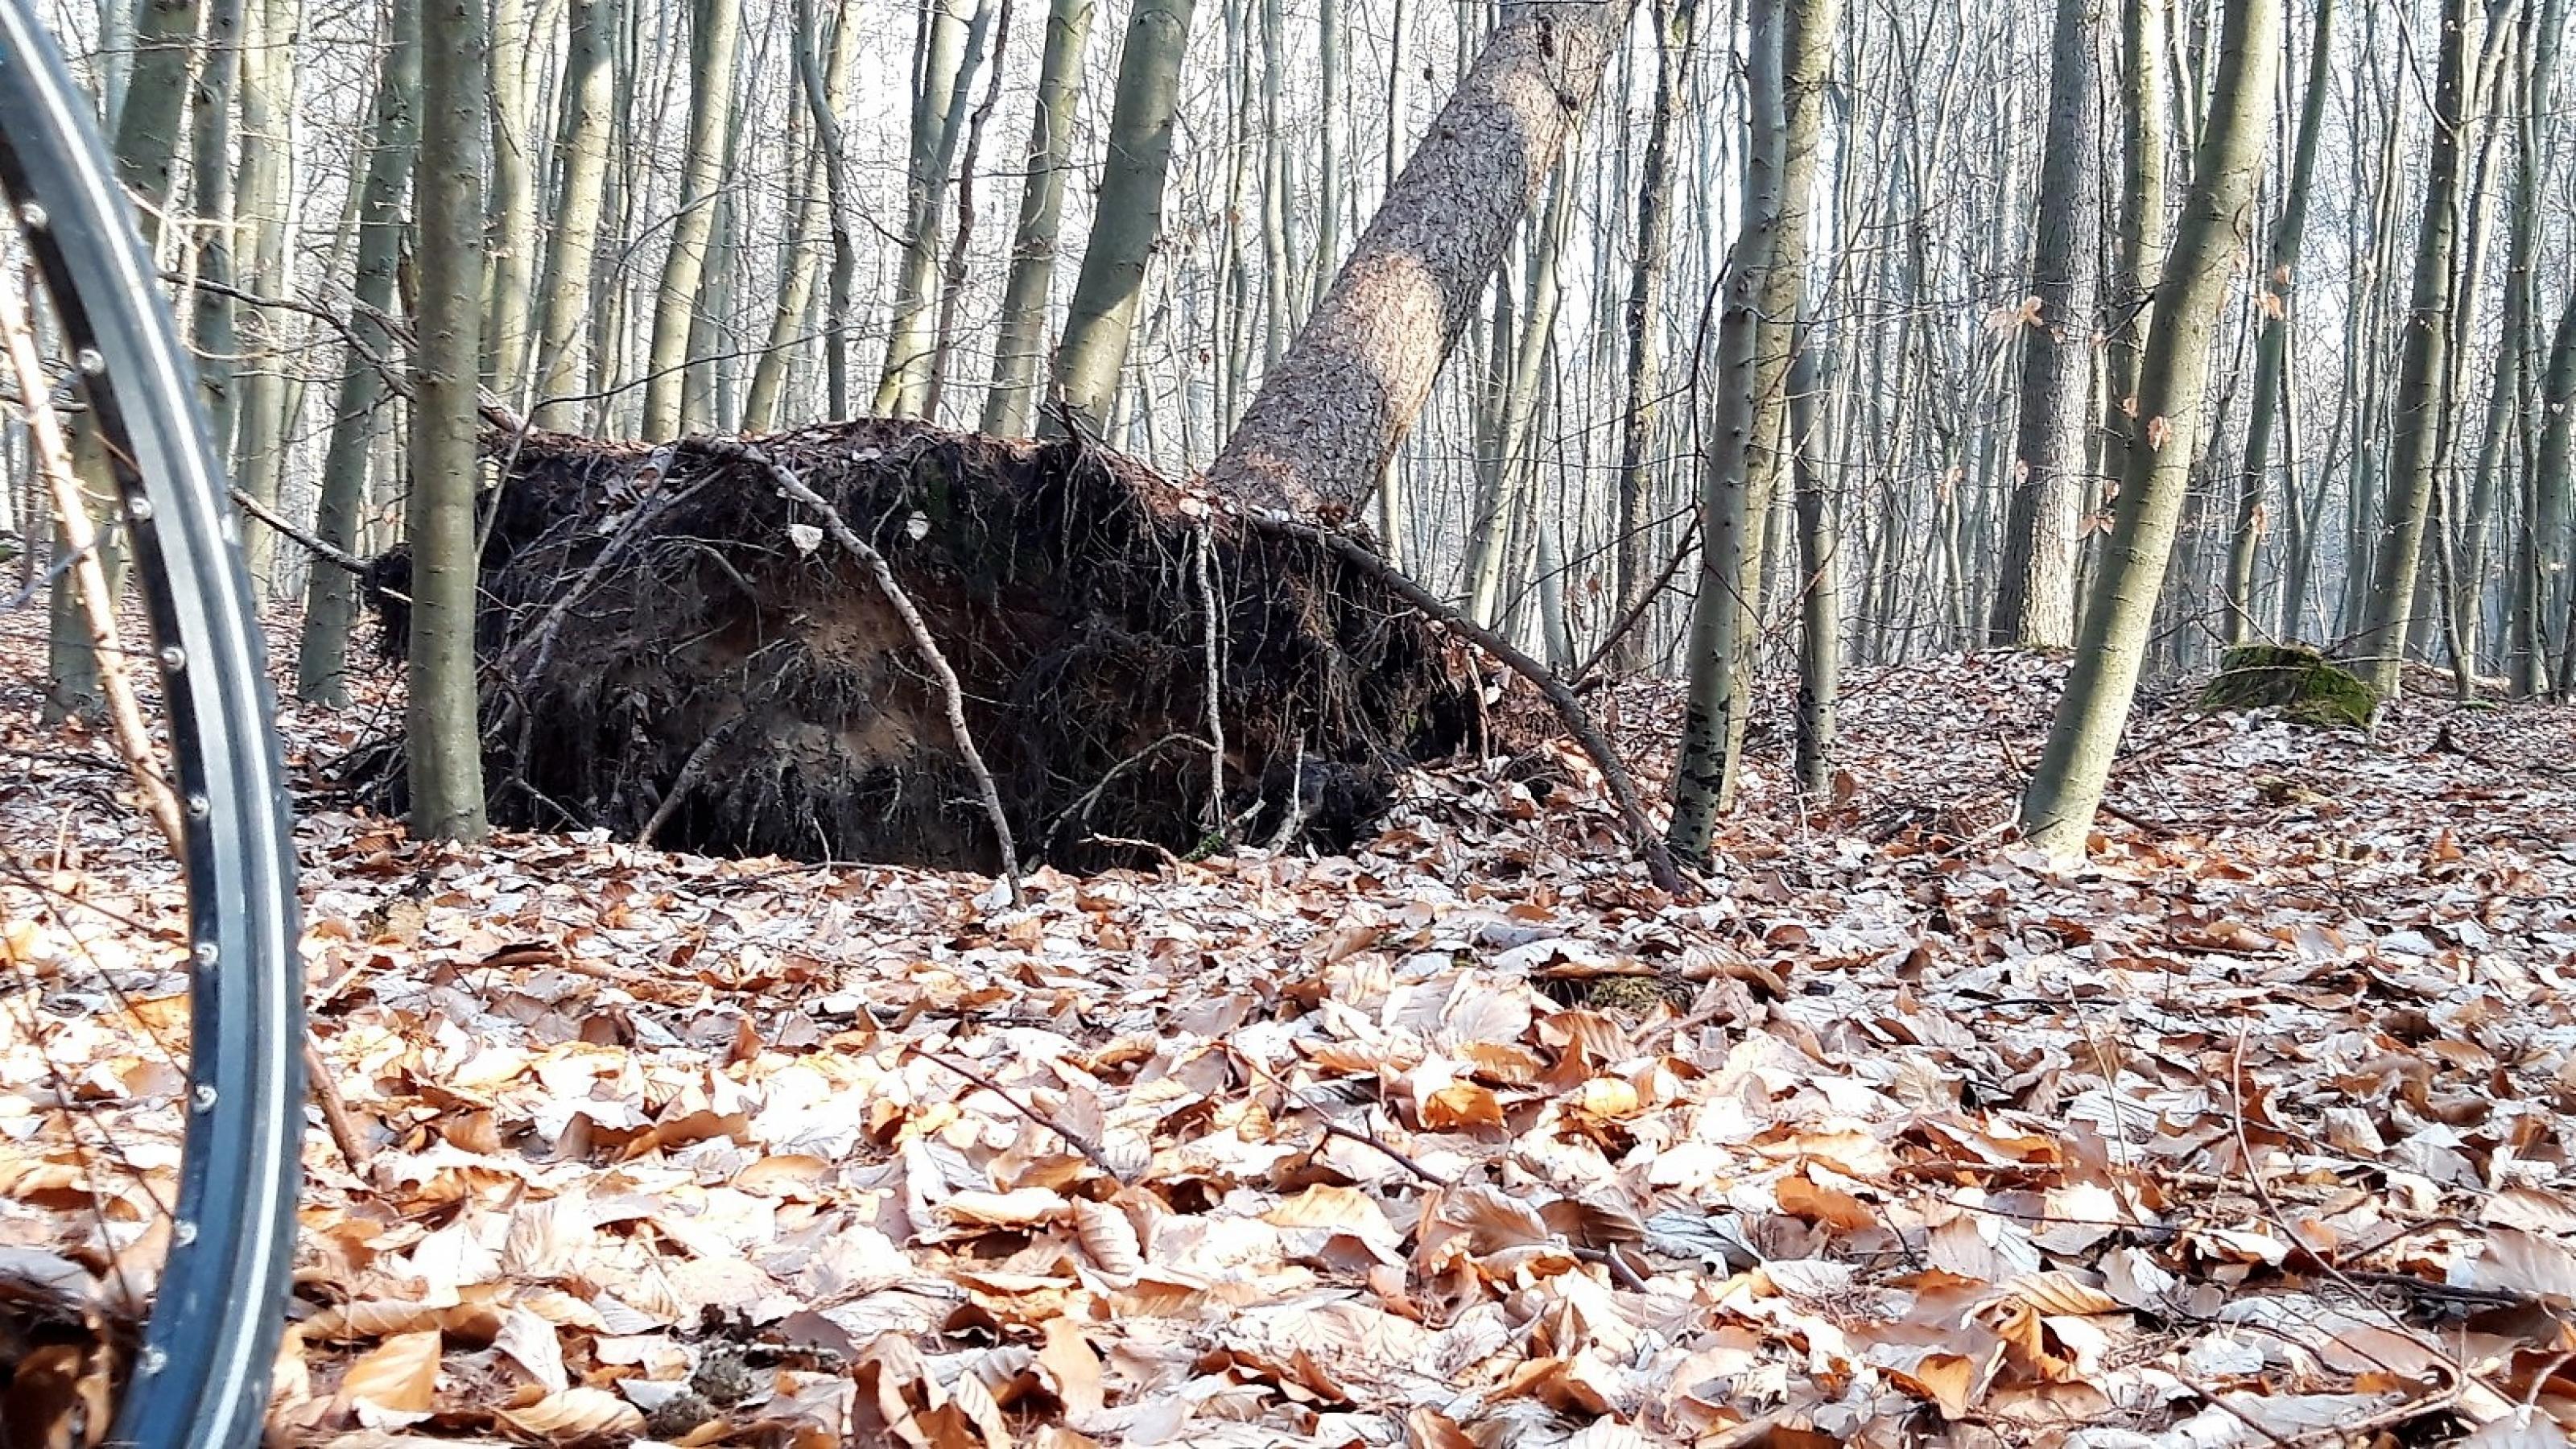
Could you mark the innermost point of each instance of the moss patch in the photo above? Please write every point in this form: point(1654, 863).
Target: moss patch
point(2305, 686)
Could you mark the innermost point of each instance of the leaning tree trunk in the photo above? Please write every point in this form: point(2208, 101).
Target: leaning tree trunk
point(2272, 346)
point(1022, 336)
point(1329, 416)
point(330, 596)
point(444, 740)
point(2423, 373)
point(714, 38)
point(2034, 605)
point(2067, 786)
point(1092, 354)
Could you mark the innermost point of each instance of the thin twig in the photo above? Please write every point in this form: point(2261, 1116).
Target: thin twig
point(690, 770)
point(1089, 1149)
point(1642, 835)
point(336, 1116)
point(53, 459)
point(952, 692)
point(1332, 1128)
point(337, 558)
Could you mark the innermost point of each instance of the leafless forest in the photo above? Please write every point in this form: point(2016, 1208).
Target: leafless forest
point(1584, 722)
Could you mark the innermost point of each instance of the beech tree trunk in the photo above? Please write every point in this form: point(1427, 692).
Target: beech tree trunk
point(1676, 50)
point(715, 36)
point(2271, 346)
point(2423, 375)
point(2066, 788)
point(330, 596)
point(444, 742)
point(1329, 417)
point(2034, 603)
point(1092, 356)
point(581, 160)
point(1022, 338)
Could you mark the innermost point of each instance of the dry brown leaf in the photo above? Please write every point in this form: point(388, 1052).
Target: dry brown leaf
point(395, 1383)
point(576, 1413)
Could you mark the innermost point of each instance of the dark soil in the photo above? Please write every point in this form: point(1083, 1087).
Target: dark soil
point(647, 607)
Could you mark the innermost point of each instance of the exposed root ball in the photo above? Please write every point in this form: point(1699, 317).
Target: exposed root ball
point(663, 623)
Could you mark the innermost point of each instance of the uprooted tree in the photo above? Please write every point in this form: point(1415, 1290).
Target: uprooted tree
point(880, 640)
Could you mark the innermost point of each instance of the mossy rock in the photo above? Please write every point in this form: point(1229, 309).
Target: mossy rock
point(2305, 686)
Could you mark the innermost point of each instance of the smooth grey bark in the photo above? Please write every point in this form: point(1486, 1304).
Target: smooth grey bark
point(1331, 414)
point(1676, 55)
point(572, 250)
point(952, 277)
point(1127, 218)
point(513, 238)
point(2066, 788)
point(825, 86)
point(715, 35)
point(2034, 606)
point(1022, 336)
point(2423, 376)
point(1500, 476)
point(210, 167)
point(2271, 346)
point(953, 49)
point(444, 742)
point(1747, 455)
point(330, 596)
point(264, 208)
point(1820, 600)
point(2142, 219)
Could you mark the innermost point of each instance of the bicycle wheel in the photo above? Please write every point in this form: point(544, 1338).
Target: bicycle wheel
point(200, 1376)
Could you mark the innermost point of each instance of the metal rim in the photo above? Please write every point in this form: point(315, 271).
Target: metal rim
point(208, 1349)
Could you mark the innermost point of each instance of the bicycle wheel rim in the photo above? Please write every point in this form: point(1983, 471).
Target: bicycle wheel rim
point(202, 1377)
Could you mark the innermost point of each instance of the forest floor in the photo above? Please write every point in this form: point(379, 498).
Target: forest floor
point(2255, 1132)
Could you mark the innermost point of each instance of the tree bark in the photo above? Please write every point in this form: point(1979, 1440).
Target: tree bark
point(581, 149)
point(264, 206)
point(330, 596)
point(1792, 55)
point(2271, 346)
point(2142, 220)
point(1330, 415)
point(954, 49)
point(2034, 606)
point(714, 36)
point(2066, 788)
point(2423, 374)
point(444, 742)
point(1676, 54)
point(1820, 602)
point(1022, 335)
point(1128, 217)
point(513, 201)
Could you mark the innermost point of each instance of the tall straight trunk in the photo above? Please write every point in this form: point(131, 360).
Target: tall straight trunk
point(1022, 335)
point(443, 739)
point(2142, 218)
point(2066, 788)
point(1279, 292)
point(210, 166)
point(760, 408)
point(953, 48)
point(1676, 53)
point(581, 149)
point(2543, 29)
point(116, 61)
point(715, 34)
point(263, 208)
point(2550, 466)
point(826, 90)
point(1499, 486)
point(1128, 216)
point(1329, 181)
point(1392, 522)
point(1820, 600)
point(2272, 344)
point(952, 277)
point(1727, 511)
point(513, 237)
point(2035, 603)
point(1331, 414)
point(1792, 46)
point(2423, 375)
point(330, 597)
